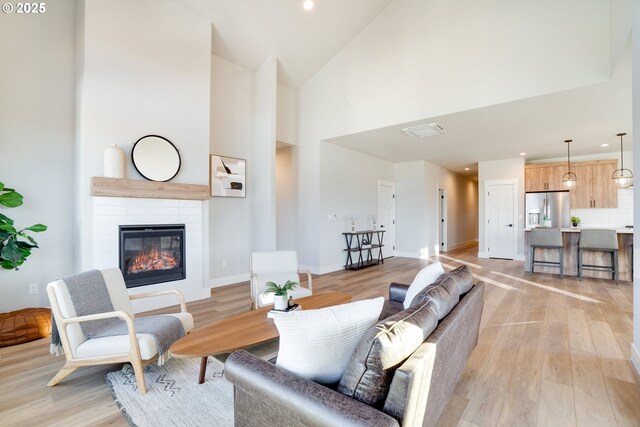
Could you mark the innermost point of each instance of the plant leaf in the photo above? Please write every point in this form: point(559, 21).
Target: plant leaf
point(6, 219)
point(11, 251)
point(11, 199)
point(8, 265)
point(1, 186)
point(37, 228)
point(8, 228)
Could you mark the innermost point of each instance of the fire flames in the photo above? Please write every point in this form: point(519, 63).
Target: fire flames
point(152, 260)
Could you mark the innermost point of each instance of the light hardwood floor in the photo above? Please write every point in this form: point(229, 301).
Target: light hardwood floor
point(551, 352)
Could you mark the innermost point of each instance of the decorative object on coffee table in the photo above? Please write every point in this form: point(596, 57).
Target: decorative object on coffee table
point(156, 158)
point(575, 221)
point(227, 176)
point(24, 325)
point(15, 244)
point(281, 293)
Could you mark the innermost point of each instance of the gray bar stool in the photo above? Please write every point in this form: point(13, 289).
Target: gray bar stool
point(599, 241)
point(547, 238)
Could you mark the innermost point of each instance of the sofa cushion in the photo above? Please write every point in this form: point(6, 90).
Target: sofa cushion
point(385, 346)
point(463, 277)
point(390, 308)
point(317, 344)
point(445, 295)
point(424, 278)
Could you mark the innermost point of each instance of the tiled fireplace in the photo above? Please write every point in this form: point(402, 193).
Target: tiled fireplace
point(111, 215)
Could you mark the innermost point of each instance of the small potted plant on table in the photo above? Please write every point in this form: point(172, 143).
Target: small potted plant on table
point(575, 221)
point(280, 300)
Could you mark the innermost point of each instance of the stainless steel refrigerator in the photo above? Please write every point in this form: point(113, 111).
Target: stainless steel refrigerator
point(550, 209)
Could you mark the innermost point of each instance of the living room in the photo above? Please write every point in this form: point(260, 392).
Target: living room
point(312, 114)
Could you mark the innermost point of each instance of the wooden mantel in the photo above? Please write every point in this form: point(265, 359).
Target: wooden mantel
point(117, 187)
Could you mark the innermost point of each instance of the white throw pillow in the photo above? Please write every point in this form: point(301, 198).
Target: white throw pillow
point(424, 278)
point(317, 344)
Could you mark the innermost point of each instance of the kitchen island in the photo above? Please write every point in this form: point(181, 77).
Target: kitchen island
point(570, 237)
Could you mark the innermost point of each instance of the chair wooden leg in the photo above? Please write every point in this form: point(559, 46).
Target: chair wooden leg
point(61, 375)
point(139, 371)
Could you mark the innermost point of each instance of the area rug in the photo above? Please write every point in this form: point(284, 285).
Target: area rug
point(174, 397)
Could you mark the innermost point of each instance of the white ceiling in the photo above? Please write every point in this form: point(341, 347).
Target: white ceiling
point(590, 115)
point(248, 31)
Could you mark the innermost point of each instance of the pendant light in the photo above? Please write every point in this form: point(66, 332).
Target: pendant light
point(622, 177)
point(569, 178)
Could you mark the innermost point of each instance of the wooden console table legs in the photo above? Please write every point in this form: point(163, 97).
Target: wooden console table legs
point(203, 369)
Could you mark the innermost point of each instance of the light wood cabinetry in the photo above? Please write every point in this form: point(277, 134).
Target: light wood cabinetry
point(594, 186)
point(544, 177)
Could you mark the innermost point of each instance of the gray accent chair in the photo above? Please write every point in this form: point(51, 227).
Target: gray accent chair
point(547, 238)
point(421, 388)
point(599, 241)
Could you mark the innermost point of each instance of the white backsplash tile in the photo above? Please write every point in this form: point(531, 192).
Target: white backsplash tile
point(610, 218)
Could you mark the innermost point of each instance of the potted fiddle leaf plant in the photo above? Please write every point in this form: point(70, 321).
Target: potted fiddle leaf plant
point(280, 300)
point(15, 244)
point(575, 221)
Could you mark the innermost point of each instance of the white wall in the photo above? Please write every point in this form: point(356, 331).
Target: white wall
point(232, 134)
point(286, 198)
point(417, 208)
point(149, 74)
point(261, 173)
point(349, 185)
point(635, 348)
point(499, 170)
point(287, 115)
point(455, 56)
point(37, 105)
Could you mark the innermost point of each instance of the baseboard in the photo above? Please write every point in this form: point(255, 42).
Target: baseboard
point(229, 280)
point(462, 245)
point(519, 258)
point(323, 269)
point(483, 255)
point(635, 359)
point(408, 255)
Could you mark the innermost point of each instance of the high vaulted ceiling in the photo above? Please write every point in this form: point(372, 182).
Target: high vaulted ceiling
point(248, 31)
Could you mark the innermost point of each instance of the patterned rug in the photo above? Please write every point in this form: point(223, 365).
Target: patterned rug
point(174, 397)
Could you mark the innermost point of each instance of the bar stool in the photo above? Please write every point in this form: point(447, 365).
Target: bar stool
point(599, 241)
point(546, 238)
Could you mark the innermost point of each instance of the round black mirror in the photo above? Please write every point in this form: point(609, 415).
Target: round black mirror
point(155, 158)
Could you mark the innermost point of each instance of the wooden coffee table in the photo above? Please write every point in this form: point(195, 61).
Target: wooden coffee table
point(242, 330)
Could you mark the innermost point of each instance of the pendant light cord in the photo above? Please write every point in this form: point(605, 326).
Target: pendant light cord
point(621, 156)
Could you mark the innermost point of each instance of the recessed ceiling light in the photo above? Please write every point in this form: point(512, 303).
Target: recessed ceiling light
point(421, 131)
point(308, 4)
point(466, 169)
point(523, 154)
point(604, 145)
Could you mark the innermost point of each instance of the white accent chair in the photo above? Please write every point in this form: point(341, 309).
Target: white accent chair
point(138, 349)
point(278, 267)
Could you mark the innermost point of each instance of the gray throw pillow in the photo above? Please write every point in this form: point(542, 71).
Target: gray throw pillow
point(445, 295)
point(385, 346)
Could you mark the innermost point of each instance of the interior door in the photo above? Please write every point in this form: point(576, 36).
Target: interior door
point(386, 217)
point(501, 224)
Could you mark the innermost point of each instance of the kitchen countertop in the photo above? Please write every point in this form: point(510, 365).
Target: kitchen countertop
point(577, 230)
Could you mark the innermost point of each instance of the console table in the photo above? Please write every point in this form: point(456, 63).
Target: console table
point(359, 248)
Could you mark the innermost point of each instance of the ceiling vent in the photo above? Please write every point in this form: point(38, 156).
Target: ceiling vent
point(421, 131)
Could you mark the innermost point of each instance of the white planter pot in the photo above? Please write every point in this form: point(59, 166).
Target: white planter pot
point(280, 302)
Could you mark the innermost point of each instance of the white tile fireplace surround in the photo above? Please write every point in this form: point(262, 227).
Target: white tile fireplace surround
point(111, 212)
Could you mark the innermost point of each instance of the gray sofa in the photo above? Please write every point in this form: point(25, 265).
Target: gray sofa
point(420, 389)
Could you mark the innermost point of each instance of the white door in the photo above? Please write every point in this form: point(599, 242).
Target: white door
point(387, 217)
point(442, 218)
point(501, 224)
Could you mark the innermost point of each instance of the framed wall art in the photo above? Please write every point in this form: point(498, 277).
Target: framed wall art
point(228, 176)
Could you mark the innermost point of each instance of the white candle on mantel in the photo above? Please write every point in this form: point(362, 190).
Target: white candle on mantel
point(114, 162)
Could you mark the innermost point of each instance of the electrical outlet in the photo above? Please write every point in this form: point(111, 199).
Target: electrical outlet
point(33, 289)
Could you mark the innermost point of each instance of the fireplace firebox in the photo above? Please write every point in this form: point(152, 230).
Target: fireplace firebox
point(152, 254)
